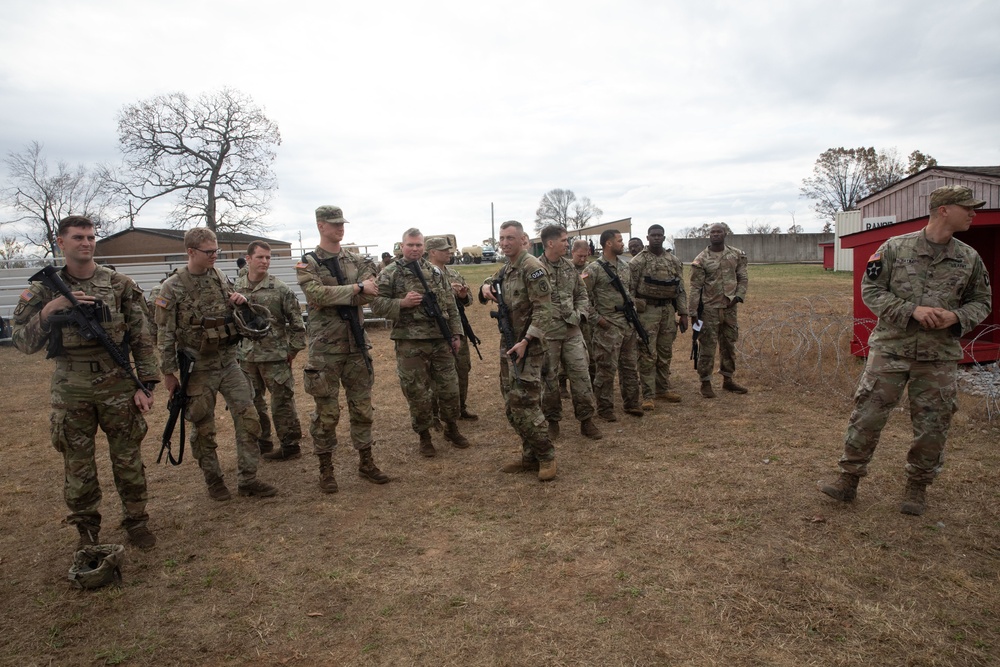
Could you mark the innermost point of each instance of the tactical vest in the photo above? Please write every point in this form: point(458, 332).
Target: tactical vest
point(108, 311)
point(205, 318)
point(654, 288)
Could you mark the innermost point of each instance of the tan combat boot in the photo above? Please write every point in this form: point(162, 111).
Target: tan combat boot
point(546, 470)
point(256, 488)
point(283, 453)
point(452, 435)
point(141, 536)
point(520, 466)
point(327, 482)
point(647, 404)
point(217, 490)
point(426, 445)
point(706, 389)
point(368, 469)
point(914, 498)
point(589, 429)
point(729, 385)
point(844, 489)
point(669, 396)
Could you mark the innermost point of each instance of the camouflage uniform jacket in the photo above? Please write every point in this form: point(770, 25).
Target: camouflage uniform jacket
point(716, 276)
point(288, 332)
point(604, 296)
point(413, 323)
point(570, 303)
point(456, 277)
point(527, 292)
point(665, 267)
point(904, 274)
point(125, 321)
point(326, 331)
point(193, 313)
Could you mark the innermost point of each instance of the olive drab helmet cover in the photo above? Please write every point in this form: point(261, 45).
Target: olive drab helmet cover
point(98, 565)
point(253, 320)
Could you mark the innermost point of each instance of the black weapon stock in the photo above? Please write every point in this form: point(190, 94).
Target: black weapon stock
point(627, 307)
point(86, 321)
point(176, 404)
point(349, 313)
point(470, 335)
point(505, 324)
point(430, 305)
point(696, 327)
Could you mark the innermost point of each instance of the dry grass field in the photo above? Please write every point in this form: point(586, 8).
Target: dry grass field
point(692, 536)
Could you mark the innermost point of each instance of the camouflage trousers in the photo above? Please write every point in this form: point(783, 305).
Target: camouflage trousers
point(463, 366)
point(660, 323)
point(523, 402)
point(276, 378)
point(322, 379)
point(591, 369)
point(719, 330)
point(203, 387)
point(614, 351)
point(82, 401)
point(931, 386)
point(571, 356)
point(426, 370)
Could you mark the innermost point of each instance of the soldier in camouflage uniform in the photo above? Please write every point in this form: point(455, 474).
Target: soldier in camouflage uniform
point(566, 349)
point(581, 258)
point(268, 362)
point(438, 253)
point(719, 283)
point(928, 289)
point(424, 358)
point(614, 340)
point(88, 388)
point(335, 357)
point(657, 280)
point(194, 313)
point(526, 291)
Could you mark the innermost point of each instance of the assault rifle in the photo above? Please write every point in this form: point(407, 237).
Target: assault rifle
point(348, 314)
point(696, 328)
point(627, 307)
point(84, 316)
point(504, 323)
point(430, 305)
point(470, 335)
point(176, 404)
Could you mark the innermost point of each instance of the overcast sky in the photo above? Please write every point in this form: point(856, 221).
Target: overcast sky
point(423, 113)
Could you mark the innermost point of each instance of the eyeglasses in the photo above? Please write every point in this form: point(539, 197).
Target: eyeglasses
point(211, 253)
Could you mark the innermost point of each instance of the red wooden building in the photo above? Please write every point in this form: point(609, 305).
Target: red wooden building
point(903, 208)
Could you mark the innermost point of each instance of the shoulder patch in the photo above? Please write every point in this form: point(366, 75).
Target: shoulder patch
point(874, 268)
point(161, 302)
point(537, 274)
point(26, 295)
point(302, 265)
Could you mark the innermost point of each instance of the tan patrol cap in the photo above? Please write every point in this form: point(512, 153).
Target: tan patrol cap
point(955, 194)
point(330, 214)
point(437, 243)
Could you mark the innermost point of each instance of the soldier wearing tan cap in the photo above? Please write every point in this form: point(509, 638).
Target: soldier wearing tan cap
point(928, 289)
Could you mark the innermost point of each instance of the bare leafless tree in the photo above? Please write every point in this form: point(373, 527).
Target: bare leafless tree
point(41, 198)
point(758, 226)
point(554, 208)
point(583, 212)
point(214, 152)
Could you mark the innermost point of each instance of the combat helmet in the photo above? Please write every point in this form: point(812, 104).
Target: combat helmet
point(97, 565)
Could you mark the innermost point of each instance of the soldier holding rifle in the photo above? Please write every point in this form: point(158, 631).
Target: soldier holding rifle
point(417, 297)
point(337, 282)
point(438, 252)
point(522, 291)
point(614, 339)
point(89, 387)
